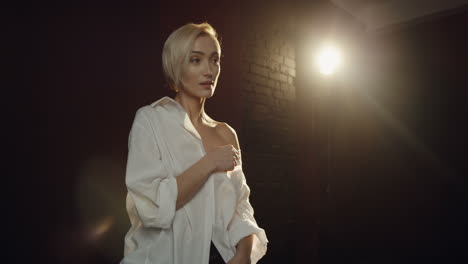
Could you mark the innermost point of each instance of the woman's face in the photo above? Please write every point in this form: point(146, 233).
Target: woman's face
point(200, 74)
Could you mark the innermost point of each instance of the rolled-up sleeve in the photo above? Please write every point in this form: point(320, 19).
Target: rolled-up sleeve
point(151, 187)
point(243, 224)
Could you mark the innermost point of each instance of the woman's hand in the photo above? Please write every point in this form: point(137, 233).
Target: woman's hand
point(239, 259)
point(223, 158)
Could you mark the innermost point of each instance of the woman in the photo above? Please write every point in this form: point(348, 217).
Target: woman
point(188, 200)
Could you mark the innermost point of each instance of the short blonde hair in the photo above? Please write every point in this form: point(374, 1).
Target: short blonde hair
point(177, 49)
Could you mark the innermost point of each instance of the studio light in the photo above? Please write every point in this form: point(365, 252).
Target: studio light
point(328, 60)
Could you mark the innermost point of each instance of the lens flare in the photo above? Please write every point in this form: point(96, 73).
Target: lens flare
point(101, 228)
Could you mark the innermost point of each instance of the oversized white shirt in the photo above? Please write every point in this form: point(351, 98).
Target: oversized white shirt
point(163, 143)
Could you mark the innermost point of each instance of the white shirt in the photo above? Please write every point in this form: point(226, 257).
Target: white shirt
point(163, 143)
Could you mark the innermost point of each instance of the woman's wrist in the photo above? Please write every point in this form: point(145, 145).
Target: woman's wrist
point(209, 166)
point(241, 258)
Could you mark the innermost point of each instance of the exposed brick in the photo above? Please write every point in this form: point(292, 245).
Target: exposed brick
point(284, 51)
point(274, 84)
point(278, 76)
point(262, 90)
point(259, 99)
point(268, 94)
point(285, 105)
point(278, 94)
point(260, 112)
point(288, 70)
point(245, 76)
point(273, 65)
point(256, 79)
point(248, 87)
point(286, 86)
point(290, 63)
point(259, 70)
point(291, 52)
point(261, 61)
point(292, 72)
point(284, 68)
point(273, 44)
point(260, 52)
point(247, 59)
point(277, 58)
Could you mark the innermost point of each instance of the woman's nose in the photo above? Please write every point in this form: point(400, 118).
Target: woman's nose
point(208, 70)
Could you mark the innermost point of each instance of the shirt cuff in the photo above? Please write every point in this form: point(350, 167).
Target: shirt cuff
point(245, 228)
point(167, 198)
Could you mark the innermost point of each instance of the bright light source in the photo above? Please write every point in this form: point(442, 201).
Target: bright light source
point(328, 60)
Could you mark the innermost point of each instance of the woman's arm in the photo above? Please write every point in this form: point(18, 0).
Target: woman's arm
point(244, 247)
point(190, 181)
point(243, 252)
point(249, 239)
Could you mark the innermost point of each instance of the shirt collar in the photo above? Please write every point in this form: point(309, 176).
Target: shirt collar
point(174, 107)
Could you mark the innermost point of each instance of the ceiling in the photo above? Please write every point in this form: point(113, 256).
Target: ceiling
point(377, 15)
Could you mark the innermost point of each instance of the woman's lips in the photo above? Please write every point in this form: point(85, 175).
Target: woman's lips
point(207, 84)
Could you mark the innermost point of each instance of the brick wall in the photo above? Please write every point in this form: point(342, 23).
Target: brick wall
point(268, 70)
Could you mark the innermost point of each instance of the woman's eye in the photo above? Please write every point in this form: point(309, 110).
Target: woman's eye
point(216, 60)
point(195, 60)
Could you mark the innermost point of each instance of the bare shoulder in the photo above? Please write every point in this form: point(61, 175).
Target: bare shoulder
point(227, 133)
point(224, 131)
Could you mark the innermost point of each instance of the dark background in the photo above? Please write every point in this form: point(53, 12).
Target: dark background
point(398, 139)
point(388, 139)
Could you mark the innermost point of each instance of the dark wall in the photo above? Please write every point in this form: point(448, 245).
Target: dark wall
point(397, 129)
point(88, 66)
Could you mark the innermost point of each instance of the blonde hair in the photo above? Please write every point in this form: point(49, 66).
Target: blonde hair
point(177, 49)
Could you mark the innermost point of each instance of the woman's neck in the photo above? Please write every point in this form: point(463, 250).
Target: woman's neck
point(195, 107)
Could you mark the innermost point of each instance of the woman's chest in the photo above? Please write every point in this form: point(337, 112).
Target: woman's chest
point(211, 138)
